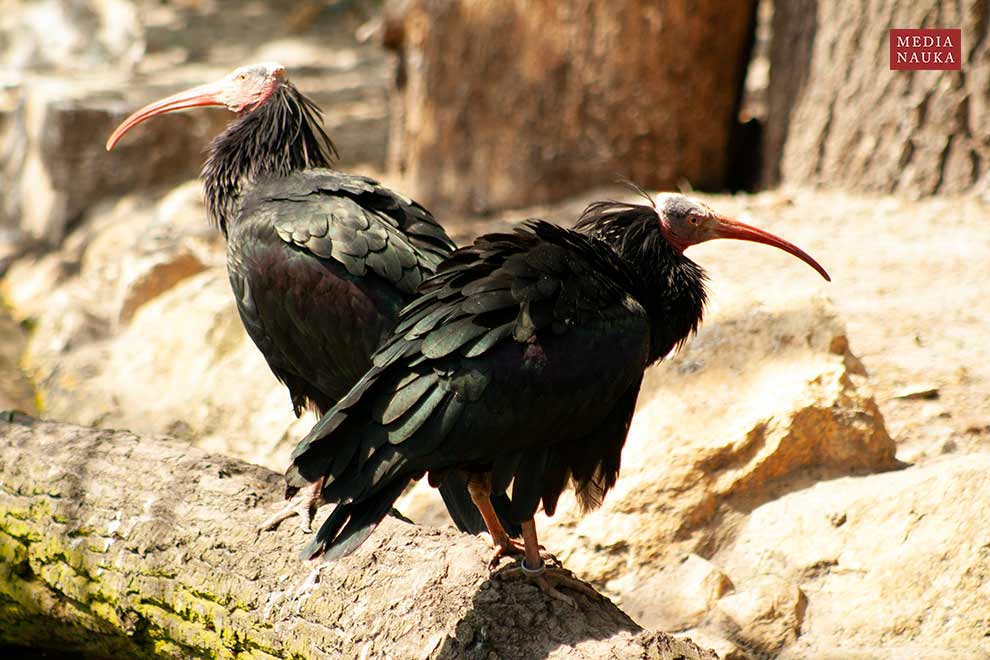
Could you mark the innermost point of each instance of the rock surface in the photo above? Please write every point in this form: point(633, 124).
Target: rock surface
point(57, 167)
point(73, 35)
point(184, 366)
point(16, 392)
point(134, 327)
point(892, 565)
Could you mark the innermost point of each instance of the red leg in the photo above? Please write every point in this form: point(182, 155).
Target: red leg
point(548, 578)
point(480, 489)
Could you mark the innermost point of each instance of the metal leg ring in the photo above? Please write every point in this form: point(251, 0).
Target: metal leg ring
point(532, 572)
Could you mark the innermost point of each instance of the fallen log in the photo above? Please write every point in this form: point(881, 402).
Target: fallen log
point(125, 546)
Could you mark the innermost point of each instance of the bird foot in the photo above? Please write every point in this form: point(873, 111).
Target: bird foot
point(548, 578)
point(303, 504)
point(509, 547)
point(505, 547)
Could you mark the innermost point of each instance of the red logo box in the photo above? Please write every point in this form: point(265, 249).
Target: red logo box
point(926, 50)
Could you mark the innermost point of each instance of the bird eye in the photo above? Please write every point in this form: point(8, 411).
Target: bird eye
point(242, 76)
point(693, 219)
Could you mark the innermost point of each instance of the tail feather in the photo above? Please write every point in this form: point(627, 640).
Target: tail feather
point(454, 491)
point(350, 524)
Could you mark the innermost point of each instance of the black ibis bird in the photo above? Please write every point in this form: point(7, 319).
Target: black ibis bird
point(320, 262)
point(518, 366)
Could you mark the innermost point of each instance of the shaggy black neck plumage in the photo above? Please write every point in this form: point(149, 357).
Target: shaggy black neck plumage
point(283, 135)
point(669, 286)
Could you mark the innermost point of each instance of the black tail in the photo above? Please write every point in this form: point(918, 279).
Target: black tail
point(350, 524)
point(454, 491)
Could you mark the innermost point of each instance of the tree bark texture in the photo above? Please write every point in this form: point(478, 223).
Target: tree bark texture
point(838, 116)
point(507, 104)
point(128, 546)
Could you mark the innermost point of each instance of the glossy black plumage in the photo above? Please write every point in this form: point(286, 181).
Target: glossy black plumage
point(320, 261)
point(522, 359)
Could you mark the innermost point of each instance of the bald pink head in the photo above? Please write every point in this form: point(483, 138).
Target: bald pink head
point(685, 222)
point(241, 90)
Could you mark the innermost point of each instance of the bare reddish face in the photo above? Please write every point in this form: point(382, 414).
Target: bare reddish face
point(242, 90)
point(686, 222)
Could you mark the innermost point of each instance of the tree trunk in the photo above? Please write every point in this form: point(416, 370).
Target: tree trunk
point(122, 546)
point(506, 104)
point(838, 116)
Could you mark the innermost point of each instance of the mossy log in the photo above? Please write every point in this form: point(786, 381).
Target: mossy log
point(125, 546)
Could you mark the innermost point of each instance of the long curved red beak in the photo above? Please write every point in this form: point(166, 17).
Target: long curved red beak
point(190, 98)
point(729, 228)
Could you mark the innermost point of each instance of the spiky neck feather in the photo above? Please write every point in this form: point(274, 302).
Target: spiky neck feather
point(283, 135)
point(670, 286)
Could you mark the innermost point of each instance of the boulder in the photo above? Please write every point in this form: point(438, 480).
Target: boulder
point(765, 617)
point(16, 392)
point(29, 282)
point(57, 166)
point(695, 586)
point(134, 325)
point(53, 131)
point(183, 365)
point(892, 565)
point(71, 35)
point(152, 276)
point(765, 400)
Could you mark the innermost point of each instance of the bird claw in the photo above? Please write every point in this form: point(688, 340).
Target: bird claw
point(548, 578)
point(509, 547)
point(303, 504)
point(504, 548)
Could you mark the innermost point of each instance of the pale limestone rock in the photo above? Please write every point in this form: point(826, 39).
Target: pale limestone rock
point(184, 366)
point(29, 281)
point(56, 166)
point(691, 586)
point(71, 35)
point(135, 326)
point(765, 617)
point(722, 647)
point(148, 278)
point(131, 252)
point(16, 392)
point(893, 565)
